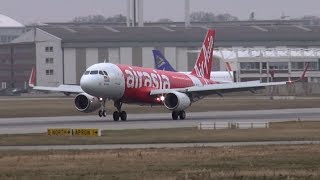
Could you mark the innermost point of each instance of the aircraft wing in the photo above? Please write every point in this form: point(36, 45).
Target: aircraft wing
point(68, 89)
point(62, 88)
point(218, 88)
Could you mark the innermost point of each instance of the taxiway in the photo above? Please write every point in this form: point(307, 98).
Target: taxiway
point(152, 121)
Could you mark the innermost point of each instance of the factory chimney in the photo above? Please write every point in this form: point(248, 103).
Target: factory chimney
point(135, 13)
point(187, 13)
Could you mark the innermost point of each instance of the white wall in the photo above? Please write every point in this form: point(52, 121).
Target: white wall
point(43, 40)
point(91, 56)
point(182, 59)
point(70, 66)
point(114, 55)
point(126, 55)
point(171, 54)
point(147, 57)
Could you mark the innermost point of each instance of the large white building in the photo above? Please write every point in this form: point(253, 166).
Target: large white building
point(63, 51)
point(9, 29)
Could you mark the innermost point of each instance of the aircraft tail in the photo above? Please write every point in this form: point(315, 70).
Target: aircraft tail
point(160, 62)
point(203, 65)
point(32, 78)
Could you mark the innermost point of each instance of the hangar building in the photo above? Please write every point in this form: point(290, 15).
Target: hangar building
point(62, 51)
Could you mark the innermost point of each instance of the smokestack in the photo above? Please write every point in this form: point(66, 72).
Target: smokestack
point(140, 12)
point(128, 13)
point(134, 13)
point(187, 13)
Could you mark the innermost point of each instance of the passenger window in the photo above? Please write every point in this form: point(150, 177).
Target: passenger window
point(87, 72)
point(100, 72)
point(94, 72)
point(105, 73)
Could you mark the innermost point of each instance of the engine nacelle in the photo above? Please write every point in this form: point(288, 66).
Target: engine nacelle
point(86, 103)
point(177, 101)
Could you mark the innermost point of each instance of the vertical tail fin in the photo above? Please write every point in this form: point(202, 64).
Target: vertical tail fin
point(203, 65)
point(160, 62)
point(32, 78)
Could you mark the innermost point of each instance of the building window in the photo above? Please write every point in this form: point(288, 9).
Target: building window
point(49, 60)
point(278, 65)
point(49, 72)
point(297, 66)
point(249, 65)
point(300, 66)
point(49, 49)
point(3, 85)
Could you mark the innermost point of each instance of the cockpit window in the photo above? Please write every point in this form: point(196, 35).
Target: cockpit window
point(87, 72)
point(100, 72)
point(105, 73)
point(94, 72)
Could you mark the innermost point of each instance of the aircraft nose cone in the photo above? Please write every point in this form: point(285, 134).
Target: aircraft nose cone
point(89, 84)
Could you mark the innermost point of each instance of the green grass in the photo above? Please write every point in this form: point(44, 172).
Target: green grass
point(285, 131)
point(252, 162)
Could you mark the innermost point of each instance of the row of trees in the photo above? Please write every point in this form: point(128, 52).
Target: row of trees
point(199, 16)
point(119, 18)
point(194, 17)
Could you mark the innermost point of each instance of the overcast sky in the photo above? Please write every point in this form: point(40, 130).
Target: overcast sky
point(29, 11)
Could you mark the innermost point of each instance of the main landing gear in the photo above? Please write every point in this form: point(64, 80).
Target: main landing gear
point(102, 111)
point(119, 114)
point(180, 114)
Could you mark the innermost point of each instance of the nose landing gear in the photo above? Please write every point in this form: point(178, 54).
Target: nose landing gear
point(102, 111)
point(119, 114)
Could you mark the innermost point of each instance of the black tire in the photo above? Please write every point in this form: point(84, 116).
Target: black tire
point(104, 113)
point(175, 115)
point(123, 115)
point(116, 116)
point(100, 113)
point(182, 115)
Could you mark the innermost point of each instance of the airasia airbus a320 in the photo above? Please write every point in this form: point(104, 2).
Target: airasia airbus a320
point(147, 86)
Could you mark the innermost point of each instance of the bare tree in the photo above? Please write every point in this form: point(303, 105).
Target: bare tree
point(201, 16)
point(119, 18)
point(165, 20)
point(314, 20)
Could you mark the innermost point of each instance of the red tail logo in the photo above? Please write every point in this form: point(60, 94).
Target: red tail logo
point(32, 78)
point(203, 65)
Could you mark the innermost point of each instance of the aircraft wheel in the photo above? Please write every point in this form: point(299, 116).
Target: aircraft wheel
point(175, 115)
point(116, 116)
point(104, 113)
point(123, 115)
point(100, 113)
point(182, 115)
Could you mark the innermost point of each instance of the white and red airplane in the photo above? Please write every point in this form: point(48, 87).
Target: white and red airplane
point(147, 86)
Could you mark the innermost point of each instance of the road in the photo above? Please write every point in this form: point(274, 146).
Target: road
point(152, 121)
point(144, 146)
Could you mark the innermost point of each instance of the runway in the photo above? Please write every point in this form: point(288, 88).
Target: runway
point(152, 121)
point(162, 145)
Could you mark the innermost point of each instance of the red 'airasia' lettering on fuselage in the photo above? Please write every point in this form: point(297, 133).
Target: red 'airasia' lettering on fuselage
point(138, 79)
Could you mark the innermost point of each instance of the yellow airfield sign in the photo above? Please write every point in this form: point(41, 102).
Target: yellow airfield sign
point(59, 132)
point(73, 132)
point(86, 132)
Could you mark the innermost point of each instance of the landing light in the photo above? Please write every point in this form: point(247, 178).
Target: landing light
point(100, 99)
point(162, 98)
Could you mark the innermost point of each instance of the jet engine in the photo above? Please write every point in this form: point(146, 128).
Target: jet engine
point(86, 103)
point(177, 101)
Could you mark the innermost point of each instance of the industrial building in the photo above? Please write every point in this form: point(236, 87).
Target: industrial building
point(9, 29)
point(62, 51)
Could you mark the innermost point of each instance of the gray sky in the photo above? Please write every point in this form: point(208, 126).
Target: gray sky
point(28, 11)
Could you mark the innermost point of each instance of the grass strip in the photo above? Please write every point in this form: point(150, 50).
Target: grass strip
point(278, 131)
